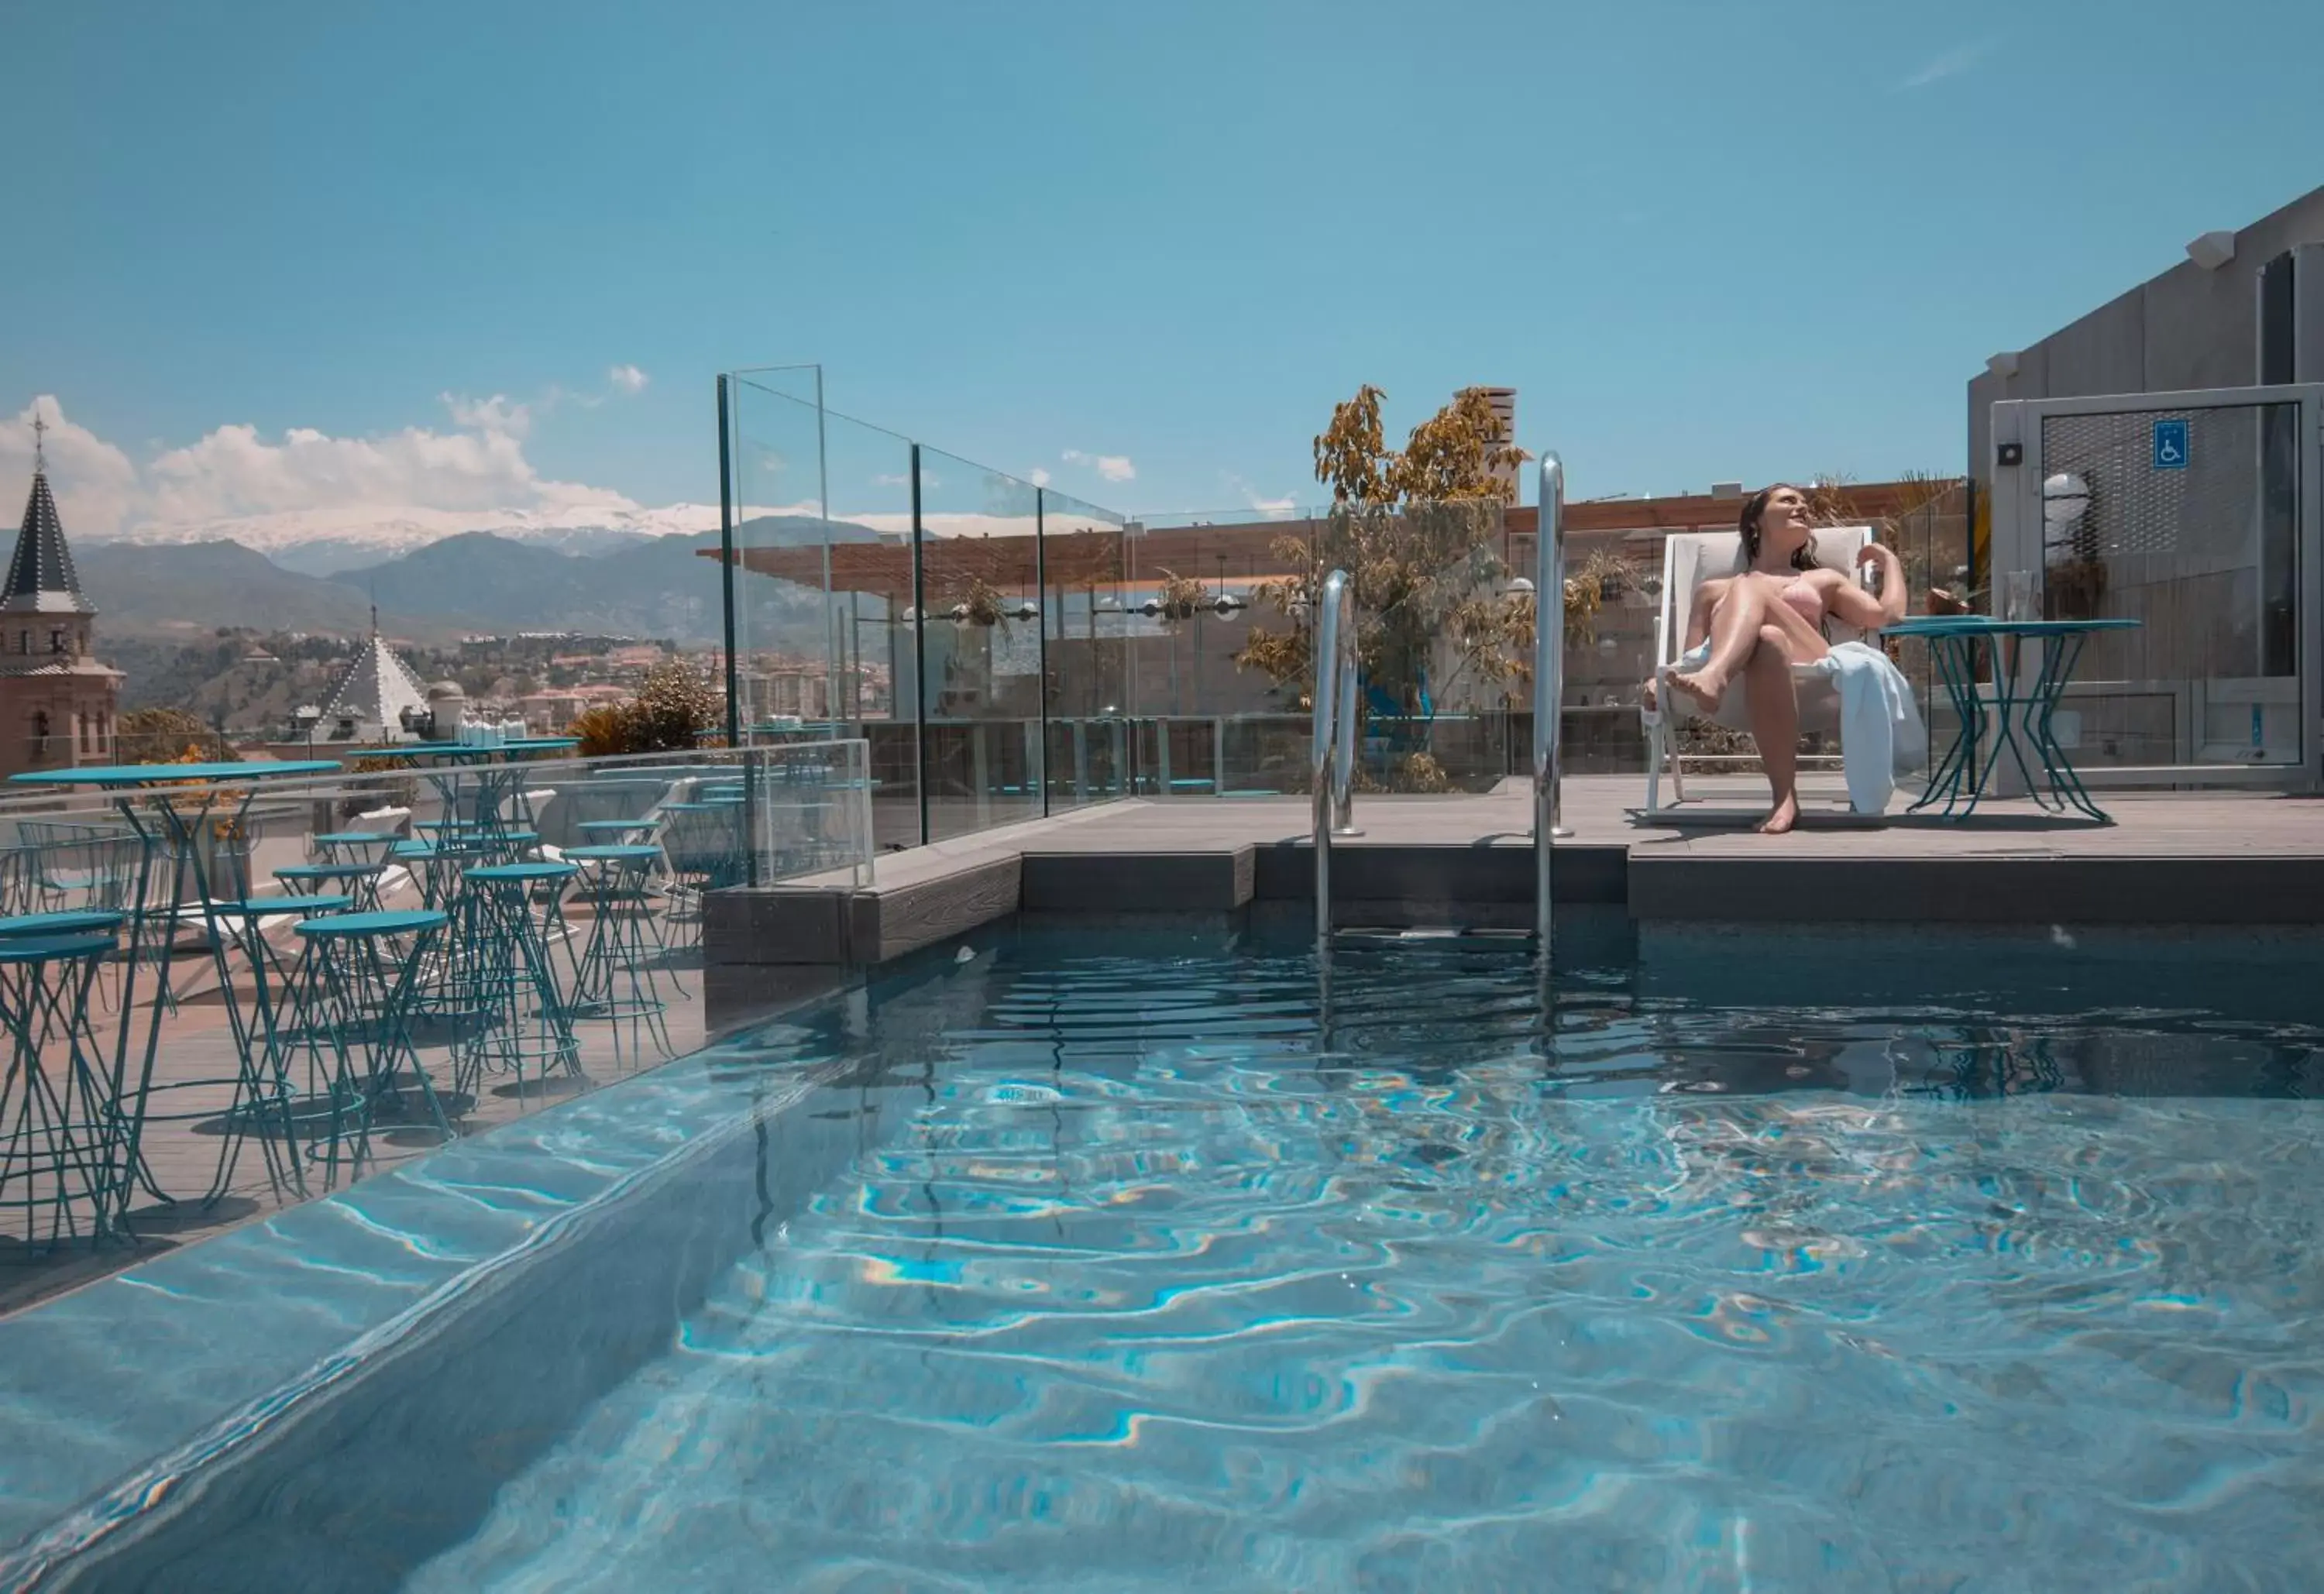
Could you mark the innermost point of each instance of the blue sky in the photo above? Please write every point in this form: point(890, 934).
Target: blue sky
point(1705, 240)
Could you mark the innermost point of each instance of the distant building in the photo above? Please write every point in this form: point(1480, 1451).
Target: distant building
point(1504, 400)
point(550, 711)
point(57, 702)
point(370, 698)
point(795, 691)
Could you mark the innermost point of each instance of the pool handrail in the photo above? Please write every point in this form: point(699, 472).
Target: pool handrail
point(1548, 682)
point(1331, 764)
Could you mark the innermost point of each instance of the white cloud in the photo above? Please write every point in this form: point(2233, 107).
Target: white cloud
point(1274, 509)
point(1952, 63)
point(496, 414)
point(395, 491)
point(1113, 467)
point(628, 378)
point(96, 484)
point(1037, 477)
point(308, 482)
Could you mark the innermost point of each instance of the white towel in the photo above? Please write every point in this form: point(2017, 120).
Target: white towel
point(1881, 735)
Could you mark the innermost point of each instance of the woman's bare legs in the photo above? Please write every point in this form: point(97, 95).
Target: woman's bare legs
point(1735, 626)
point(1774, 725)
point(1747, 613)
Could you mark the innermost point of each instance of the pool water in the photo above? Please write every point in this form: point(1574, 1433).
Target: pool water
point(1135, 1276)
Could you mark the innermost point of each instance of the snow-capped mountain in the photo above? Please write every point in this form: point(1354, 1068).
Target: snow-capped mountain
point(324, 542)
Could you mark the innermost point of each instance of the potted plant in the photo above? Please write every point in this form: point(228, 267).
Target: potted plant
point(2074, 587)
point(1181, 596)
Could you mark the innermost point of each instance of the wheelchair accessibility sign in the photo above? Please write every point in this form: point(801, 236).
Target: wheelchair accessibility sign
point(2171, 449)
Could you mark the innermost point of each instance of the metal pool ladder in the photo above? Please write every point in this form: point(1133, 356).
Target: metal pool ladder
point(1333, 766)
point(1548, 687)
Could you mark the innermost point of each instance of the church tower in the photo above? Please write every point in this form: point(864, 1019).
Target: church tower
point(57, 702)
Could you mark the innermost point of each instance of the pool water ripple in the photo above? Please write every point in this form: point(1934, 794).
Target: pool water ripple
point(1140, 1284)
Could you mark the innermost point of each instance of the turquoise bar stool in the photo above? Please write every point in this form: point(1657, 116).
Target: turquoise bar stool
point(348, 1031)
point(615, 976)
point(66, 1144)
point(704, 844)
point(514, 846)
point(524, 1025)
point(359, 882)
point(19, 876)
point(356, 846)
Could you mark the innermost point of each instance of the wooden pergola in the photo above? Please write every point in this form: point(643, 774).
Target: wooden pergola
point(1088, 560)
point(1236, 553)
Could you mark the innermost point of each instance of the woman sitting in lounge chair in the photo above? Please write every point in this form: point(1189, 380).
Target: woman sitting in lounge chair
point(1769, 616)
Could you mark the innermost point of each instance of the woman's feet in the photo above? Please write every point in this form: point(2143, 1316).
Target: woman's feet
point(1701, 685)
point(1782, 817)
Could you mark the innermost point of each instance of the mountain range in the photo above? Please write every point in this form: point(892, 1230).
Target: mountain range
point(469, 582)
point(317, 542)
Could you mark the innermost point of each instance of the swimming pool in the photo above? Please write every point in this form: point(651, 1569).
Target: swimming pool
point(1085, 1261)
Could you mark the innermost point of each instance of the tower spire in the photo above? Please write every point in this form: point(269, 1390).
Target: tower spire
point(39, 451)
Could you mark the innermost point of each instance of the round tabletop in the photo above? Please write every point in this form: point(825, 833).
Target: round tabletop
point(156, 774)
point(341, 926)
point(478, 751)
point(1958, 625)
point(506, 873)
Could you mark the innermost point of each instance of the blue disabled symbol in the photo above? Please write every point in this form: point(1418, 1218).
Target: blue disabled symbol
point(2171, 444)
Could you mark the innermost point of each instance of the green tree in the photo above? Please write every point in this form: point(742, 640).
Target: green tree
point(1418, 532)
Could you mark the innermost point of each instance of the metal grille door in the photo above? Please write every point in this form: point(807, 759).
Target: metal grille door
point(2189, 522)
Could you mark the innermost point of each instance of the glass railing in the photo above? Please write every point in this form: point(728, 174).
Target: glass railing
point(718, 817)
point(248, 984)
point(1006, 651)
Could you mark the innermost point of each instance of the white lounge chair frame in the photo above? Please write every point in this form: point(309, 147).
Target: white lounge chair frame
point(1690, 558)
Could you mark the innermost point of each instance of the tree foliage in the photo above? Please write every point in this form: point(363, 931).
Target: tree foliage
point(1418, 532)
point(674, 703)
point(168, 736)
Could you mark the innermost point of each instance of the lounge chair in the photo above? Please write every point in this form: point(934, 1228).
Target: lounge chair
point(1690, 558)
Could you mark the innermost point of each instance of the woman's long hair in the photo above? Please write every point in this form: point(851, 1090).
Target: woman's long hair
point(1754, 508)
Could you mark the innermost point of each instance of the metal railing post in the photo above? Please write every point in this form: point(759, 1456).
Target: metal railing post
point(1041, 633)
point(919, 652)
point(1548, 682)
point(725, 568)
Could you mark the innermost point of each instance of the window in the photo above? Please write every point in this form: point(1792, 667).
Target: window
point(57, 639)
point(2277, 311)
point(24, 641)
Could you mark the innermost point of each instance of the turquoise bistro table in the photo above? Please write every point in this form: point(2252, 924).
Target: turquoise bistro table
point(1959, 644)
point(172, 809)
point(474, 783)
